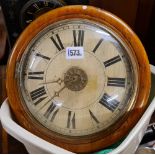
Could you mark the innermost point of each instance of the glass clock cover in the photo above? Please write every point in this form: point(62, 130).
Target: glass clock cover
point(77, 78)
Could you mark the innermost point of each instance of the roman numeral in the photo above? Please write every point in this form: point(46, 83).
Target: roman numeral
point(78, 37)
point(57, 42)
point(97, 46)
point(71, 120)
point(112, 61)
point(40, 100)
point(38, 93)
point(35, 75)
point(116, 82)
point(109, 102)
point(42, 56)
point(45, 3)
point(36, 6)
point(93, 117)
point(52, 110)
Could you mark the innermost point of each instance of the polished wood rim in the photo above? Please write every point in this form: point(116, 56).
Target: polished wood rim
point(119, 27)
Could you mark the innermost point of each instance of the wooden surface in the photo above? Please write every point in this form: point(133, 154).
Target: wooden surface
point(125, 9)
point(128, 36)
point(3, 35)
point(7, 143)
point(136, 13)
point(139, 15)
point(3, 135)
point(143, 17)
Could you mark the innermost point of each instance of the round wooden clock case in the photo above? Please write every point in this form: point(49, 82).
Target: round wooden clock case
point(79, 78)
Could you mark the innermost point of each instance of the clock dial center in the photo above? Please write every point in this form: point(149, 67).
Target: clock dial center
point(75, 79)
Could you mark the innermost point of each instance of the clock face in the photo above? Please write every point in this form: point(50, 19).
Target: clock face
point(34, 8)
point(77, 78)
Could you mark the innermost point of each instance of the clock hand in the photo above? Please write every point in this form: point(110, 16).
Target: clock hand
point(59, 81)
point(56, 94)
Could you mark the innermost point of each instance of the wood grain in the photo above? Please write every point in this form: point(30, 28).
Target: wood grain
point(7, 143)
point(126, 10)
point(4, 136)
point(101, 140)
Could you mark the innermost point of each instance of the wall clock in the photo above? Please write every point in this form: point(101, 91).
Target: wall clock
point(78, 77)
point(18, 14)
point(34, 8)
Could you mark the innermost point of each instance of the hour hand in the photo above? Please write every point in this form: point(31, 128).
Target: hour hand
point(59, 81)
point(56, 94)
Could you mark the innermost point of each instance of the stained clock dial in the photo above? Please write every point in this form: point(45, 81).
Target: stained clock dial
point(77, 78)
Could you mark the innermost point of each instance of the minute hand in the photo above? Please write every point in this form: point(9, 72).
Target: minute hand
point(59, 81)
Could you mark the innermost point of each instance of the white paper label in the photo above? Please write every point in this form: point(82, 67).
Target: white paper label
point(74, 53)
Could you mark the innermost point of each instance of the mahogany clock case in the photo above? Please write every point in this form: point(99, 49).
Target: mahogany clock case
point(137, 50)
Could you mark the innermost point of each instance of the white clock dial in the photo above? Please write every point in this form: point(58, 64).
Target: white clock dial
point(81, 94)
